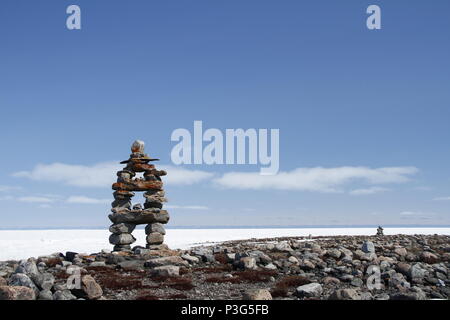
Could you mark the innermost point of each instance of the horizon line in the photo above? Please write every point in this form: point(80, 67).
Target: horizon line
point(235, 227)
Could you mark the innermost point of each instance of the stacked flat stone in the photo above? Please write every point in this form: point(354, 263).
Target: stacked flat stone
point(124, 216)
point(380, 231)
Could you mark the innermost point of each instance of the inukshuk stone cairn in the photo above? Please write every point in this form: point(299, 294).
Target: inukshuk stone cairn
point(124, 216)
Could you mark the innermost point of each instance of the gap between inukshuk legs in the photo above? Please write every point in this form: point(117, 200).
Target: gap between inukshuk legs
point(124, 216)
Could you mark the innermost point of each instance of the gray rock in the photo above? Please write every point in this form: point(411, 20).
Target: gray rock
point(208, 258)
point(166, 271)
point(97, 264)
point(122, 239)
point(46, 282)
point(132, 265)
point(155, 227)
point(231, 257)
point(29, 268)
point(366, 296)
point(140, 216)
point(346, 277)
point(335, 253)
point(22, 280)
point(190, 259)
point(141, 251)
point(66, 263)
point(357, 282)
point(417, 272)
point(345, 294)
point(163, 261)
point(63, 295)
point(122, 228)
point(155, 238)
point(440, 267)
point(283, 247)
point(368, 247)
point(415, 294)
point(309, 290)
point(45, 295)
point(399, 282)
point(270, 266)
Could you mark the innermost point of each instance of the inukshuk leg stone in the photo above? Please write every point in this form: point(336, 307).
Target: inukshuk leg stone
point(125, 217)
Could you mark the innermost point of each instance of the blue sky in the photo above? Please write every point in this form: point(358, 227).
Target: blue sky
point(72, 102)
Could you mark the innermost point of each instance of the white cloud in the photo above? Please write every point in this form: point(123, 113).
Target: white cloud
point(409, 213)
point(36, 199)
point(98, 175)
point(102, 175)
point(87, 200)
point(368, 191)
point(416, 214)
point(316, 179)
point(4, 188)
point(182, 176)
point(442, 199)
point(186, 207)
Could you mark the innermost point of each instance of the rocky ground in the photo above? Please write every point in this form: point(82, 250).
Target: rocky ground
point(341, 267)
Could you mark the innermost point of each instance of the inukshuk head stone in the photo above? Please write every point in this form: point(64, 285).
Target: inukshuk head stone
point(124, 215)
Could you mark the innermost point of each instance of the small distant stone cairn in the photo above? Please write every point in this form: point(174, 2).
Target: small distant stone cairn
point(126, 217)
point(380, 231)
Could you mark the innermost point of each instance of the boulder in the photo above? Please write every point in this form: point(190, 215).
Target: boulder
point(368, 247)
point(91, 288)
point(429, 257)
point(29, 268)
point(258, 294)
point(293, 260)
point(132, 264)
point(45, 295)
point(283, 247)
point(190, 259)
point(122, 228)
point(345, 294)
point(163, 261)
point(22, 280)
point(331, 280)
point(309, 290)
point(155, 238)
point(17, 293)
point(146, 216)
point(403, 268)
point(71, 255)
point(417, 272)
point(401, 252)
point(121, 239)
point(334, 253)
point(46, 281)
point(63, 295)
point(155, 227)
point(248, 263)
point(166, 271)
